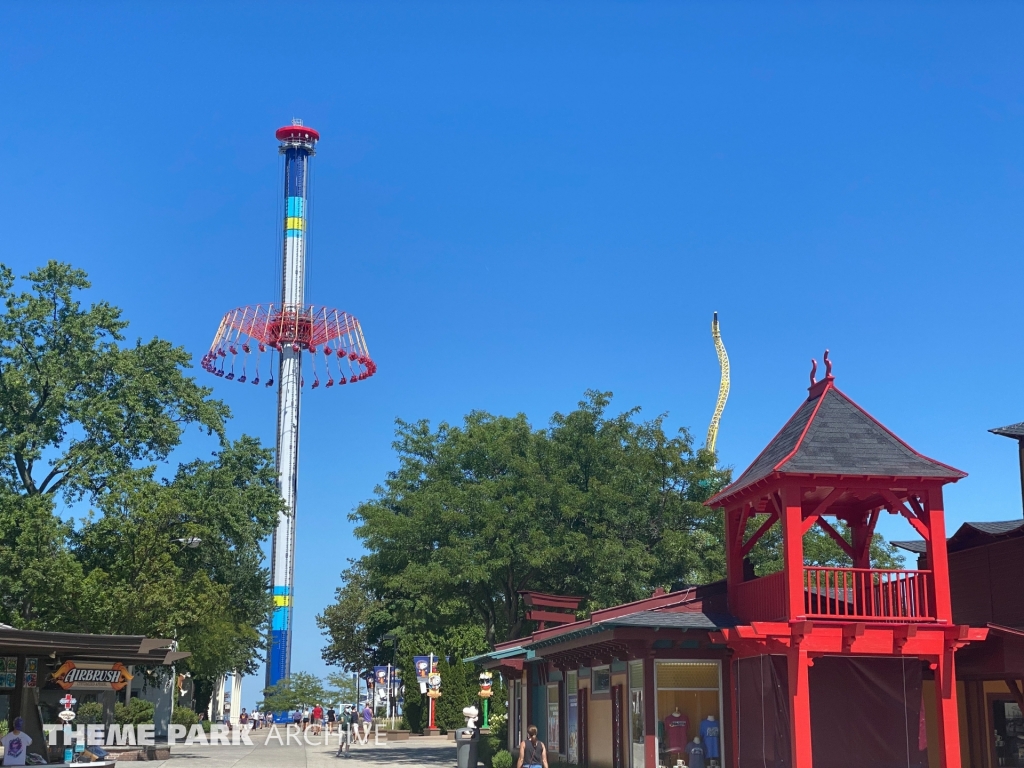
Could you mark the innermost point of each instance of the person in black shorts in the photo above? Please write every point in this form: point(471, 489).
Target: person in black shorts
point(332, 716)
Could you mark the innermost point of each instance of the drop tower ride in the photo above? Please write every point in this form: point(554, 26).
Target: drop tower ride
point(287, 334)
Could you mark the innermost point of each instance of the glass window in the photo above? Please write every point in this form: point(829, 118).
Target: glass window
point(637, 723)
point(1008, 726)
point(688, 704)
point(601, 680)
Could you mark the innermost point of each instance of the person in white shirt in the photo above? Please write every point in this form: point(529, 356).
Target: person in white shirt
point(16, 744)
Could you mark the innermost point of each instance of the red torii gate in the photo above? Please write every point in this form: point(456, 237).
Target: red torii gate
point(833, 460)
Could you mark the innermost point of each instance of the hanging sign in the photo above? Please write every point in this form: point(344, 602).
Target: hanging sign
point(91, 676)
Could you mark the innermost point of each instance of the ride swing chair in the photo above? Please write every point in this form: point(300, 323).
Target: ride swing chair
point(251, 332)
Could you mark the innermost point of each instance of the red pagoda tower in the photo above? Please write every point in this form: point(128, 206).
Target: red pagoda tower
point(830, 662)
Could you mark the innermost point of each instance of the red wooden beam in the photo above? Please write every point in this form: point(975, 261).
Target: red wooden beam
point(772, 518)
point(551, 617)
point(898, 507)
point(843, 544)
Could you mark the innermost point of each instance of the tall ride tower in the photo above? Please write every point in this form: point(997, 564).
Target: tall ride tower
point(288, 330)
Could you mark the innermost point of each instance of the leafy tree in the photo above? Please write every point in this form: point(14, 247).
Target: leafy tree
point(75, 408)
point(458, 690)
point(342, 690)
point(84, 416)
point(606, 507)
point(299, 691)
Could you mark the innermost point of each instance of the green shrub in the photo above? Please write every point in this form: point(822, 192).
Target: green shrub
point(490, 745)
point(502, 759)
point(184, 716)
point(206, 726)
point(90, 713)
point(138, 712)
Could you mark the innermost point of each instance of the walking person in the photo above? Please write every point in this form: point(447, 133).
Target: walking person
point(331, 718)
point(344, 732)
point(367, 719)
point(532, 752)
point(316, 719)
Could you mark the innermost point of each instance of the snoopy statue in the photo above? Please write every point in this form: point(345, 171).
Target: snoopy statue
point(470, 713)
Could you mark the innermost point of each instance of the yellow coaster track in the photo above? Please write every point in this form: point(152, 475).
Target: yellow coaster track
point(723, 386)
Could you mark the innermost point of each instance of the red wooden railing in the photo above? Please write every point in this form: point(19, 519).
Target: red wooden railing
point(856, 594)
point(867, 594)
point(762, 599)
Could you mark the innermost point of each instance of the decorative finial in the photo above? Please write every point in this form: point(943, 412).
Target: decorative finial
point(828, 366)
point(814, 370)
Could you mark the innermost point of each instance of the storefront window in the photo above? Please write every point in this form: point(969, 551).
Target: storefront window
point(601, 680)
point(554, 721)
point(689, 704)
point(1008, 724)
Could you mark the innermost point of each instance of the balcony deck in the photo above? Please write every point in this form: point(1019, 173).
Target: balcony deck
point(840, 594)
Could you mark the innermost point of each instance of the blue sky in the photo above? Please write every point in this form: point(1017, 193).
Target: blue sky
point(522, 201)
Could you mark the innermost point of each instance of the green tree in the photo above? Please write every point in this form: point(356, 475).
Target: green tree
point(342, 689)
point(299, 691)
point(458, 690)
point(605, 507)
point(75, 407)
point(84, 416)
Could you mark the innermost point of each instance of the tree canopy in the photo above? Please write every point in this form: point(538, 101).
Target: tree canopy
point(604, 507)
point(87, 418)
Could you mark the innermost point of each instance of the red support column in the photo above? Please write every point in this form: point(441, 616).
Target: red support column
point(650, 716)
point(799, 708)
point(793, 552)
point(938, 560)
point(860, 540)
point(733, 551)
point(947, 717)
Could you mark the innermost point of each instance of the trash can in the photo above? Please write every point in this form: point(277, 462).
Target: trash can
point(467, 743)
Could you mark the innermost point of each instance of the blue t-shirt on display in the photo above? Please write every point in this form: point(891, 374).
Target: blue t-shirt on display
point(709, 732)
point(695, 753)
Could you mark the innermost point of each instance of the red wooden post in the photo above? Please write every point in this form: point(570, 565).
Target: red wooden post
point(650, 721)
point(938, 560)
point(860, 539)
point(793, 552)
point(947, 717)
point(432, 700)
point(800, 708)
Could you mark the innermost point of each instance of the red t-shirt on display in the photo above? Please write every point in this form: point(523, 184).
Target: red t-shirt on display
point(677, 729)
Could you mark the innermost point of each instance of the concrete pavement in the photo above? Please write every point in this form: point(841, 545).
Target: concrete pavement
point(417, 752)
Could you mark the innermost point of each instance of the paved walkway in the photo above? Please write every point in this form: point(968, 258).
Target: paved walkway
point(417, 752)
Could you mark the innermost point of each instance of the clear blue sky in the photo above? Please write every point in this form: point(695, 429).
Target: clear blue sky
point(522, 201)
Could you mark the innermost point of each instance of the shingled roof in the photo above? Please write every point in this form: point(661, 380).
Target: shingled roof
point(831, 435)
point(1015, 431)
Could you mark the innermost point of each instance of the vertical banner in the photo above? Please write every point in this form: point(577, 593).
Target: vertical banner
point(571, 723)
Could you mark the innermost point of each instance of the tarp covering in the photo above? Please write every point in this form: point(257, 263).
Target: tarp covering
point(867, 712)
point(762, 703)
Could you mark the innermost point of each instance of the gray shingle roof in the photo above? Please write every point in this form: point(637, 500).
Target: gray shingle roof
point(676, 620)
point(1013, 430)
point(970, 535)
point(830, 434)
